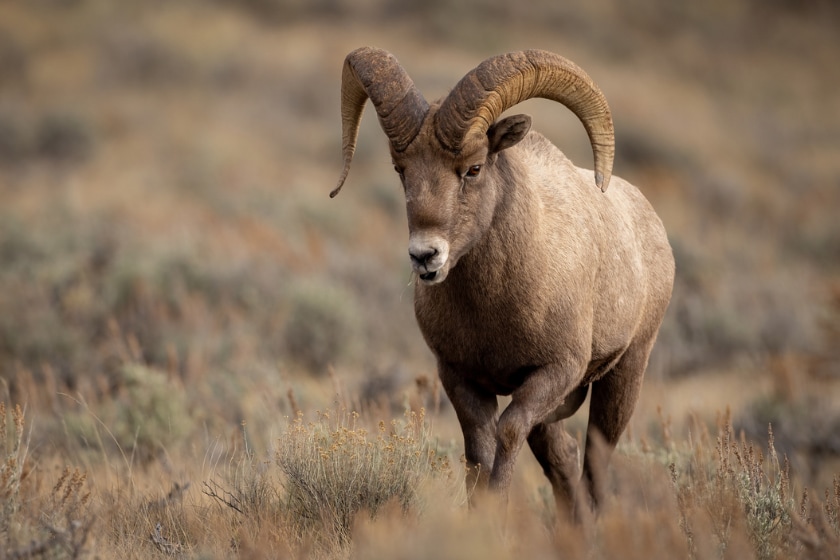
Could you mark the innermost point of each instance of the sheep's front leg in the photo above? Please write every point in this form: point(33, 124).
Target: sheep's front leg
point(541, 398)
point(476, 411)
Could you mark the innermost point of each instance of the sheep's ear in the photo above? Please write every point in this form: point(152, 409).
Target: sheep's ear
point(508, 132)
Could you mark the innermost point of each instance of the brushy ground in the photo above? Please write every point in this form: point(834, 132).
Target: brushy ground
point(330, 488)
point(179, 297)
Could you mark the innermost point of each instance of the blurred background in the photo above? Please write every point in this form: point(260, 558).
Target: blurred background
point(170, 259)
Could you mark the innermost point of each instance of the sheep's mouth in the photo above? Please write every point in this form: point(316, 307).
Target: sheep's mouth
point(433, 277)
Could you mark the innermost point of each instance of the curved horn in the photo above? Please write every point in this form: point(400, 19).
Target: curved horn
point(375, 74)
point(501, 82)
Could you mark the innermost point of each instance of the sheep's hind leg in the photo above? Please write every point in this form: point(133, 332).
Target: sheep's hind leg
point(544, 397)
point(559, 456)
point(611, 404)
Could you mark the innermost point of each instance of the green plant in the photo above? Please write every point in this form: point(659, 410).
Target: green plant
point(764, 488)
point(738, 492)
point(148, 412)
point(334, 470)
point(321, 325)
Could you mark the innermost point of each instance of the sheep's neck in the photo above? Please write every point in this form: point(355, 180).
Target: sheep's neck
point(498, 259)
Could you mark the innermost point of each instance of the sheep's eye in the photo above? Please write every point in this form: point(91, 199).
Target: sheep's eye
point(473, 171)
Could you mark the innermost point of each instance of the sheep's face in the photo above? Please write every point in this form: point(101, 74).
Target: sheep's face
point(451, 198)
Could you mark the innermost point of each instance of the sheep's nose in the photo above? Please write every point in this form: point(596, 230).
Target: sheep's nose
point(421, 256)
point(429, 254)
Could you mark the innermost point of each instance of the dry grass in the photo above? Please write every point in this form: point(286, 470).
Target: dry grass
point(171, 270)
point(333, 470)
point(53, 522)
point(334, 489)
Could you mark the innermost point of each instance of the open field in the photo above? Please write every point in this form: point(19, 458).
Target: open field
point(175, 284)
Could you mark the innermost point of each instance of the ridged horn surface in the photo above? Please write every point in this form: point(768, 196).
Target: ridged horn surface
point(501, 82)
point(375, 74)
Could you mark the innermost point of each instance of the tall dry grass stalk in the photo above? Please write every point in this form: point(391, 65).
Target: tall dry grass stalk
point(11, 470)
point(54, 522)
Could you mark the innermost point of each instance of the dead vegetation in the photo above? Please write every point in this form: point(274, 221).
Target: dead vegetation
point(334, 489)
point(164, 221)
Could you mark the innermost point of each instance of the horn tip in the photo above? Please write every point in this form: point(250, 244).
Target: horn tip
point(601, 181)
point(341, 180)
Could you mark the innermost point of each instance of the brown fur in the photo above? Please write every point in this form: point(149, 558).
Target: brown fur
point(550, 287)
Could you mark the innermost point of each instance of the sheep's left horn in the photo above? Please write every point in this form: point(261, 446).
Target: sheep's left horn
point(375, 74)
point(501, 82)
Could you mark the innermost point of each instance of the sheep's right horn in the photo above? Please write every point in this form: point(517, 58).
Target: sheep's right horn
point(502, 81)
point(375, 74)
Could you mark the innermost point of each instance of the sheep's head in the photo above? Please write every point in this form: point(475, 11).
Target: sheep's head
point(446, 154)
point(451, 196)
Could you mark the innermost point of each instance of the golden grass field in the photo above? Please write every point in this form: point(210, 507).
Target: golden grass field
point(203, 356)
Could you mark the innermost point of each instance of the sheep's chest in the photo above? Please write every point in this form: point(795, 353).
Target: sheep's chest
point(490, 339)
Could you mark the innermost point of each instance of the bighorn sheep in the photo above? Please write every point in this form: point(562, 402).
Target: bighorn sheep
point(530, 282)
